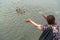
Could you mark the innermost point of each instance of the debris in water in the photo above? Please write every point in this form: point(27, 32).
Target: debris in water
point(20, 11)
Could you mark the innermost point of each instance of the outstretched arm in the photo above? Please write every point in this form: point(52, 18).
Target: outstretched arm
point(44, 15)
point(35, 24)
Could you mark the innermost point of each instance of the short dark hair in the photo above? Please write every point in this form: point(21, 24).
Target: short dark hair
point(50, 19)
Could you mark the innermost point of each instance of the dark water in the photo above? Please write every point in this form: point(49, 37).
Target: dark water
point(13, 25)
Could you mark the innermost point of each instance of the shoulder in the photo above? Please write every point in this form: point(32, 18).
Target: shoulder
point(44, 26)
point(56, 25)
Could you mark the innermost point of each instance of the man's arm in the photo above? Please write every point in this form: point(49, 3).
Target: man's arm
point(35, 24)
point(44, 15)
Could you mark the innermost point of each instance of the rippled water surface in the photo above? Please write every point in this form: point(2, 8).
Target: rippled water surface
point(13, 25)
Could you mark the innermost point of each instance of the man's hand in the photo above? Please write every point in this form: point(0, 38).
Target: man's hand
point(28, 20)
point(44, 15)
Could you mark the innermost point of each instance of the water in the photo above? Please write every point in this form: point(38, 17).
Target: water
point(13, 25)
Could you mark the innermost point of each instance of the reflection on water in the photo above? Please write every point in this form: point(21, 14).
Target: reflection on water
point(12, 24)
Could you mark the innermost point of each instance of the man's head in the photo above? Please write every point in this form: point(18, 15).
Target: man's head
point(50, 19)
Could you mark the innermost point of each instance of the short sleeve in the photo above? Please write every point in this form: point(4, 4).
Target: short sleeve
point(44, 27)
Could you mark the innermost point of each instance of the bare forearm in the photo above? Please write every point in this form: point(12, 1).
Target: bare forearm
point(44, 16)
point(36, 25)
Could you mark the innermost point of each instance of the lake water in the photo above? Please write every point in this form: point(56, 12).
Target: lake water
point(13, 25)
